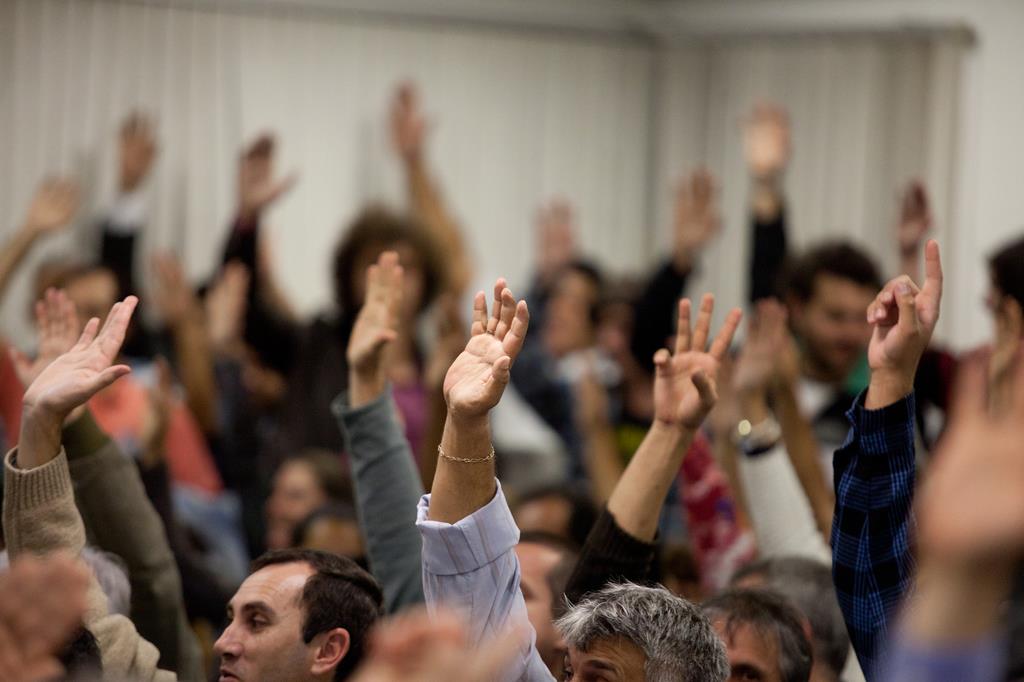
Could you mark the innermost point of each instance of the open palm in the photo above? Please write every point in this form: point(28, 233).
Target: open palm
point(684, 381)
point(475, 381)
point(74, 377)
point(376, 323)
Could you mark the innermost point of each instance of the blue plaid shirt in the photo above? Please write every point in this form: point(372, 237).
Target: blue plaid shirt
point(872, 564)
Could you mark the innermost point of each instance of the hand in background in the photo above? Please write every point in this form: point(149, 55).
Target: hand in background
point(157, 419)
point(44, 601)
point(768, 357)
point(915, 219)
point(57, 327)
point(685, 381)
point(476, 380)
point(374, 330)
point(417, 647)
point(69, 382)
point(173, 298)
point(970, 518)
point(696, 218)
point(53, 206)
point(450, 340)
point(408, 125)
point(257, 187)
point(555, 238)
point(225, 307)
point(767, 141)
point(137, 150)
point(904, 318)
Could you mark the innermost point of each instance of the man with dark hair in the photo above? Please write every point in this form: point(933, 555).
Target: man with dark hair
point(808, 584)
point(557, 510)
point(763, 634)
point(328, 599)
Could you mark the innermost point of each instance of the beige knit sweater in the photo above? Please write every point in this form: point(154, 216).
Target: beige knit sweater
point(39, 517)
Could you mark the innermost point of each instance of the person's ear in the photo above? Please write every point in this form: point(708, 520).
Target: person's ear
point(795, 311)
point(1013, 316)
point(331, 647)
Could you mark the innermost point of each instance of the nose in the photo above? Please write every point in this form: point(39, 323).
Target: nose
point(228, 645)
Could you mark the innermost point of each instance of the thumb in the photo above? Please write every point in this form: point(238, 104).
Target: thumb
point(706, 389)
point(500, 369)
point(22, 366)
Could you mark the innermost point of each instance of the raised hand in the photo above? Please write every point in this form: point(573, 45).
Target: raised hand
point(69, 381)
point(768, 356)
point(767, 141)
point(970, 508)
point(915, 218)
point(696, 217)
point(44, 601)
point(257, 187)
point(904, 317)
point(684, 381)
point(375, 328)
point(226, 305)
point(173, 298)
point(137, 149)
point(408, 126)
point(556, 237)
point(157, 419)
point(476, 380)
point(53, 206)
point(57, 327)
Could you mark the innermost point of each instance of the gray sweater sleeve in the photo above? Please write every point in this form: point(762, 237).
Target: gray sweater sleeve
point(387, 489)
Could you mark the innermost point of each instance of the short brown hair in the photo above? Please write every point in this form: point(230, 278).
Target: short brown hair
point(338, 595)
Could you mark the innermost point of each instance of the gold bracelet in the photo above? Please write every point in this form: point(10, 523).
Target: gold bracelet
point(464, 460)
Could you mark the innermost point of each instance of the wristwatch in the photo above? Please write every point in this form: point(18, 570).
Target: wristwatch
point(757, 439)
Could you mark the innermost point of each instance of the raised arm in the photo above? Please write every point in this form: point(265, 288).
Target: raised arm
point(684, 393)
point(620, 546)
point(137, 150)
point(384, 474)
point(182, 313)
point(772, 446)
point(53, 206)
point(915, 221)
point(875, 471)
point(409, 131)
point(767, 142)
point(695, 223)
point(971, 538)
point(39, 508)
point(115, 510)
point(469, 535)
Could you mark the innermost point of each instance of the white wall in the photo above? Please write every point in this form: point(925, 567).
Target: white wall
point(989, 204)
point(520, 115)
point(494, 71)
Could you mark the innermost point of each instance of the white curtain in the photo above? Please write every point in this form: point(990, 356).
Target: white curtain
point(520, 115)
point(868, 114)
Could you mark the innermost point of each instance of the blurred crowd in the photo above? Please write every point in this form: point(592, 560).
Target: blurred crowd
point(586, 483)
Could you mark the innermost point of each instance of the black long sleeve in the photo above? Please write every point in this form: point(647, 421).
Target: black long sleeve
point(609, 555)
point(655, 312)
point(768, 255)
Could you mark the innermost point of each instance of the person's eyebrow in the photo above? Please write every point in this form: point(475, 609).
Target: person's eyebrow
point(258, 607)
point(600, 665)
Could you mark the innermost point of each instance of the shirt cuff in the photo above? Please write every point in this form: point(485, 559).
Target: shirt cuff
point(878, 429)
point(472, 542)
point(981, 661)
point(27, 489)
point(128, 212)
